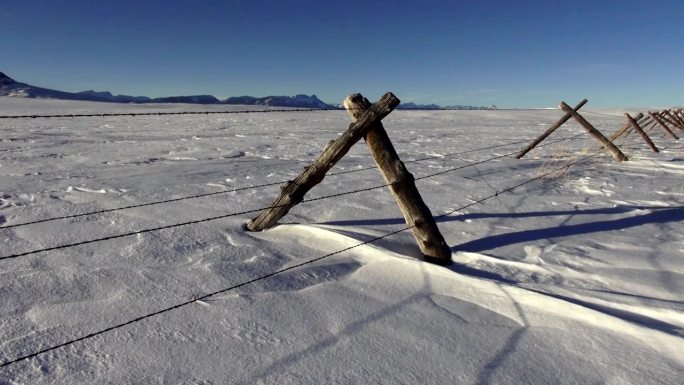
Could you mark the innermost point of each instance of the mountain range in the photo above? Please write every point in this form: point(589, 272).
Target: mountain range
point(10, 87)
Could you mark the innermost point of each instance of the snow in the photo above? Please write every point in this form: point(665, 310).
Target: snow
point(575, 278)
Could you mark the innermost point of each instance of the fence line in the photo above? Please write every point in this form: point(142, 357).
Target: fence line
point(104, 115)
point(282, 270)
point(97, 212)
point(223, 216)
point(509, 189)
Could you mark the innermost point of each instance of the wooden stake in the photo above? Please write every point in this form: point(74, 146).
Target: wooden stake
point(641, 132)
point(664, 116)
point(293, 192)
point(617, 154)
point(550, 130)
point(625, 128)
point(677, 120)
point(402, 186)
point(662, 125)
point(680, 113)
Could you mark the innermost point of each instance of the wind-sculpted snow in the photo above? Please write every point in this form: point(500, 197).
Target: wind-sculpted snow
point(575, 278)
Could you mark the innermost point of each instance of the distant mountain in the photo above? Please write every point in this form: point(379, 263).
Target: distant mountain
point(12, 88)
point(414, 106)
point(106, 95)
point(193, 99)
point(300, 101)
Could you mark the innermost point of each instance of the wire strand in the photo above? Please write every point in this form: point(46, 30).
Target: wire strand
point(279, 271)
point(233, 214)
point(237, 189)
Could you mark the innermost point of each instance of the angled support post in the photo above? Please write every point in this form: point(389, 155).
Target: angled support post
point(678, 120)
point(662, 125)
point(680, 113)
point(666, 117)
point(550, 130)
point(617, 154)
point(402, 186)
point(293, 192)
point(641, 132)
point(625, 128)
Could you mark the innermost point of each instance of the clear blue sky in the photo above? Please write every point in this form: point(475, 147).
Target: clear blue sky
point(509, 53)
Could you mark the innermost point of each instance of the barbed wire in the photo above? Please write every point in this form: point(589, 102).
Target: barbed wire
point(228, 215)
point(108, 114)
point(237, 189)
point(291, 109)
point(282, 270)
point(583, 111)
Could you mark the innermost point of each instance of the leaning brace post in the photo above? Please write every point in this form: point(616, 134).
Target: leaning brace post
point(680, 113)
point(401, 185)
point(663, 125)
point(677, 119)
point(649, 124)
point(641, 132)
point(617, 154)
point(664, 116)
point(293, 192)
point(551, 129)
point(625, 128)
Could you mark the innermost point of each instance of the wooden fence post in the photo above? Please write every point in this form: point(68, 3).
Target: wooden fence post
point(662, 125)
point(625, 128)
point(550, 130)
point(402, 186)
point(680, 113)
point(617, 154)
point(677, 119)
point(641, 132)
point(664, 116)
point(293, 192)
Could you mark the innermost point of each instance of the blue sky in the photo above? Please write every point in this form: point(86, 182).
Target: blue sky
point(508, 53)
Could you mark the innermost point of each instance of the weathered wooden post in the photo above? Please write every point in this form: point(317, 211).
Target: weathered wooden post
point(625, 128)
point(680, 113)
point(676, 119)
point(293, 192)
point(666, 117)
point(641, 132)
point(662, 124)
point(550, 130)
point(402, 186)
point(617, 154)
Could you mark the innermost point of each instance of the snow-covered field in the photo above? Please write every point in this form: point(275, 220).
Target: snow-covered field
point(576, 278)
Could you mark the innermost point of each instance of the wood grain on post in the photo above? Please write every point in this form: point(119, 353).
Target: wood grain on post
point(293, 192)
point(625, 128)
point(662, 124)
point(617, 154)
point(550, 130)
point(402, 186)
point(641, 132)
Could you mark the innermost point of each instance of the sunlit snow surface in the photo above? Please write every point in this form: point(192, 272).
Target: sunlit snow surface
point(577, 278)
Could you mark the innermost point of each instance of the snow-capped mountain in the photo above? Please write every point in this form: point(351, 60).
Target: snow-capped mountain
point(302, 101)
point(12, 88)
